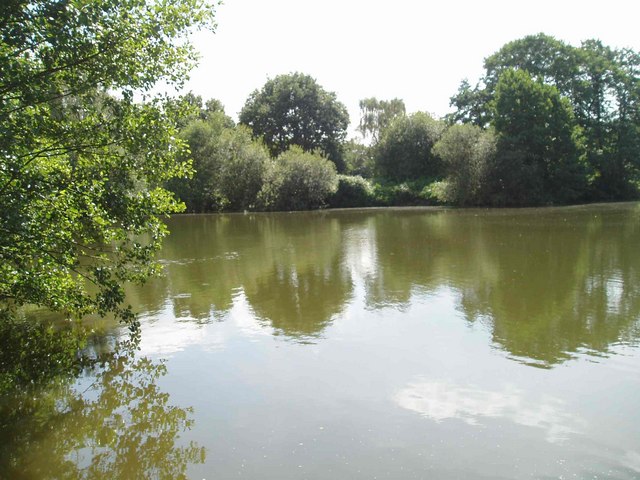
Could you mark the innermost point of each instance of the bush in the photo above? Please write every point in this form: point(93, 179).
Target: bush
point(353, 191)
point(358, 159)
point(199, 192)
point(413, 193)
point(228, 167)
point(404, 151)
point(468, 156)
point(242, 168)
point(298, 180)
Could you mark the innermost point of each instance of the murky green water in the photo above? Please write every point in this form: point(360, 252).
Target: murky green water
point(388, 344)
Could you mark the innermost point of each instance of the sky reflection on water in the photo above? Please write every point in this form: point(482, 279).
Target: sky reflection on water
point(362, 322)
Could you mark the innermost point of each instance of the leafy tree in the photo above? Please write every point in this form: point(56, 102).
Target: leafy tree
point(298, 180)
point(81, 172)
point(539, 142)
point(212, 110)
point(376, 115)
point(294, 110)
point(200, 192)
point(602, 85)
point(228, 166)
point(242, 170)
point(607, 107)
point(358, 159)
point(542, 56)
point(468, 155)
point(471, 105)
point(404, 151)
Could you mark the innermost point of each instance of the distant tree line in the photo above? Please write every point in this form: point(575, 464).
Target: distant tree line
point(548, 123)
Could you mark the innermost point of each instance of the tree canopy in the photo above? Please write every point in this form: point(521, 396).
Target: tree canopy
point(602, 87)
point(294, 109)
point(376, 115)
point(298, 180)
point(539, 142)
point(81, 163)
point(405, 148)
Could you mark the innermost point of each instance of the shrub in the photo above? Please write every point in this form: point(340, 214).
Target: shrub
point(199, 192)
point(298, 180)
point(228, 167)
point(404, 151)
point(468, 156)
point(242, 169)
point(410, 193)
point(353, 191)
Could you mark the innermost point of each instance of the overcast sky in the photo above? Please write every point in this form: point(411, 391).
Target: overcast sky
point(415, 50)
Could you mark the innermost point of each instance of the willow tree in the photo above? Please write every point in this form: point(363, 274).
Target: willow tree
point(376, 115)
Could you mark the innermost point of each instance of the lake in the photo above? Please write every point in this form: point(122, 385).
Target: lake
point(375, 344)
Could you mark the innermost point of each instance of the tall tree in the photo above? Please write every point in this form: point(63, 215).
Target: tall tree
point(542, 56)
point(602, 86)
point(539, 142)
point(200, 192)
point(376, 115)
point(81, 172)
point(294, 109)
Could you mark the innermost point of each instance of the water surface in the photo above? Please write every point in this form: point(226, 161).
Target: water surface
point(397, 344)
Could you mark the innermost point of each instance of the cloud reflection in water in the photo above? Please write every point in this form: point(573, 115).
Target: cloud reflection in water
point(442, 400)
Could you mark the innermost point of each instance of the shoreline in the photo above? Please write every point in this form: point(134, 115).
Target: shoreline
point(433, 208)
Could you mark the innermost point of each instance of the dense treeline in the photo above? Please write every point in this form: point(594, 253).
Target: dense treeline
point(548, 123)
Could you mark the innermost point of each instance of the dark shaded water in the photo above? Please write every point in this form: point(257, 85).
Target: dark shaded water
point(388, 344)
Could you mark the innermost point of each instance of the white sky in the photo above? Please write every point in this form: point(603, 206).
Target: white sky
point(415, 50)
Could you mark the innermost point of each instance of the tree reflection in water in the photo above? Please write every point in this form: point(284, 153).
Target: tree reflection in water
point(121, 426)
point(548, 283)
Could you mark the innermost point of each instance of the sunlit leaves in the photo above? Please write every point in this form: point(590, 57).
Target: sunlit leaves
point(404, 151)
point(376, 115)
point(295, 110)
point(82, 164)
point(602, 87)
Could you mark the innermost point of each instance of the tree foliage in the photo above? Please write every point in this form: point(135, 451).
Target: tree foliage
point(376, 115)
point(602, 86)
point(228, 166)
point(539, 142)
point(81, 172)
point(404, 151)
point(243, 168)
point(352, 191)
point(468, 156)
point(358, 159)
point(294, 109)
point(199, 192)
point(298, 180)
